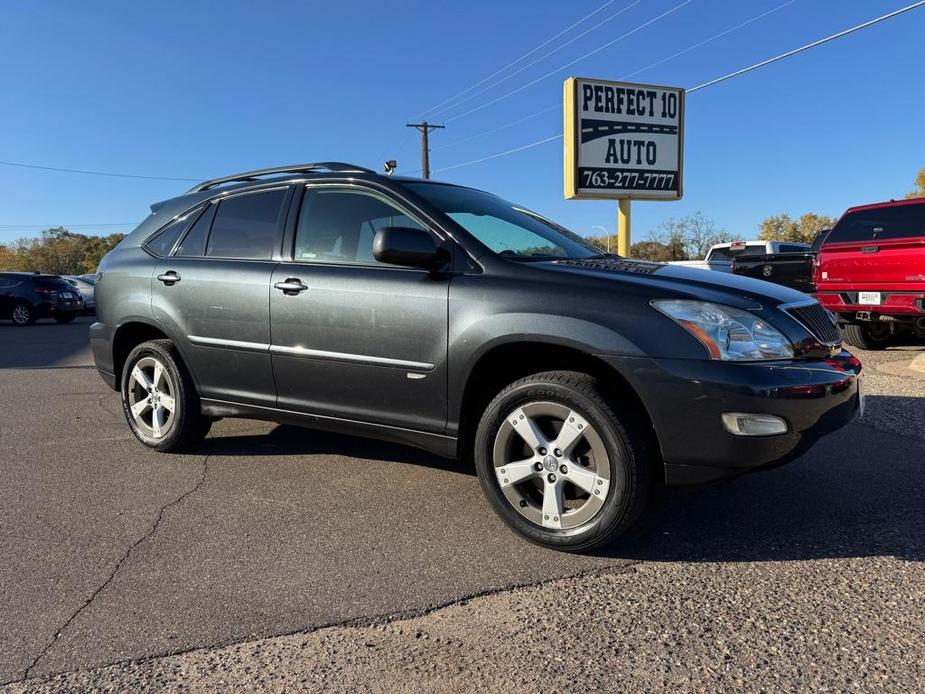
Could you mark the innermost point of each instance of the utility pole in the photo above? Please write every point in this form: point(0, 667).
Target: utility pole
point(424, 129)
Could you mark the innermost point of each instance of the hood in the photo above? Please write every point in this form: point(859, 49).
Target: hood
point(679, 281)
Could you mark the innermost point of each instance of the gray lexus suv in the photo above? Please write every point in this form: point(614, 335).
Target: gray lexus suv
point(327, 296)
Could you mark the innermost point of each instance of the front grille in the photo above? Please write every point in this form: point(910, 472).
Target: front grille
point(818, 321)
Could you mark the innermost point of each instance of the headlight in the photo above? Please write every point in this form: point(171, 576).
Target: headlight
point(728, 333)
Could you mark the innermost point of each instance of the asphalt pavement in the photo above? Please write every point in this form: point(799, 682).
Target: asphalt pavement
point(279, 558)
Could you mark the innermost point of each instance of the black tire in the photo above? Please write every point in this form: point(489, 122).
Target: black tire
point(23, 314)
point(626, 445)
point(65, 317)
point(864, 336)
point(188, 425)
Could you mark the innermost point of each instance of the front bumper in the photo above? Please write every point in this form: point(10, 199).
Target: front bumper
point(685, 400)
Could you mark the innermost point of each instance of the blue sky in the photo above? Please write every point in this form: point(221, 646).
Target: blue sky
point(200, 89)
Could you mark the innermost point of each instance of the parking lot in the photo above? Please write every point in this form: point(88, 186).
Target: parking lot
point(274, 557)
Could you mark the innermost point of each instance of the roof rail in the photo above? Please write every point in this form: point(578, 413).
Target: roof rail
point(335, 166)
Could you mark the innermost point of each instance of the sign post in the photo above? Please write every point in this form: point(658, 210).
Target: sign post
point(623, 141)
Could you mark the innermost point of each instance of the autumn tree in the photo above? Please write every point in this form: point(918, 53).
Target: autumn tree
point(919, 191)
point(783, 227)
point(58, 251)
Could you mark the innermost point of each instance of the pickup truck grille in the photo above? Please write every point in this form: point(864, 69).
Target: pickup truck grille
point(818, 321)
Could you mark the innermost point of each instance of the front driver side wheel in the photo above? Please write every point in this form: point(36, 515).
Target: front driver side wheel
point(559, 465)
point(159, 398)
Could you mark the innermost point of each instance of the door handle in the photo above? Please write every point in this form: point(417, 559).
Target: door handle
point(169, 278)
point(291, 287)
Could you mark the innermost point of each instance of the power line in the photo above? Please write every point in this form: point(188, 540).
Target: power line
point(511, 64)
point(627, 76)
point(864, 25)
point(710, 39)
point(10, 227)
point(569, 64)
point(96, 173)
point(500, 154)
point(500, 127)
point(805, 47)
point(537, 60)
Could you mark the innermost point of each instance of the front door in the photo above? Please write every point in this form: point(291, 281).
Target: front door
point(213, 295)
point(353, 338)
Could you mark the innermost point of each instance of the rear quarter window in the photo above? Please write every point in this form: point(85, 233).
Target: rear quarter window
point(880, 223)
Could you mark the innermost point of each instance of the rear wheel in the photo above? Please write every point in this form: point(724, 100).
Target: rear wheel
point(64, 317)
point(159, 398)
point(558, 464)
point(869, 336)
point(23, 314)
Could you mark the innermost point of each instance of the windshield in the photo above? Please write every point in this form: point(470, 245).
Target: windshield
point(507, 229)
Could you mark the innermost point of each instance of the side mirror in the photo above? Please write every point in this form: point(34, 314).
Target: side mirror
point(407, 246)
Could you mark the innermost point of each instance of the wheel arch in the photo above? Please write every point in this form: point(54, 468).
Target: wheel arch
point(128, 336)
point(505, 363)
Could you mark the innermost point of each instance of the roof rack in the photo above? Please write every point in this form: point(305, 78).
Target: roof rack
point(334, 166)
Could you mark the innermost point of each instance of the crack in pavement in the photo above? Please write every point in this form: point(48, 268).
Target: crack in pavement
point(28, 671)
point(358, 622)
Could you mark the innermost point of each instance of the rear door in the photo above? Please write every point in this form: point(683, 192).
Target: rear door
point(212, 293)
point(876, 248)
point(363, 340)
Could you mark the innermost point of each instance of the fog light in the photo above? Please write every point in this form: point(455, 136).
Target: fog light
point(744, 424)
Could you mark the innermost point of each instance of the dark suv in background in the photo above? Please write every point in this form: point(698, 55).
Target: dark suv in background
point(327, 296)
point(27, 296)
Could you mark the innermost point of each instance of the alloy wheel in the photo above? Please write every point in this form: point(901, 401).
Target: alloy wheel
point(21, 315)
point(551, 465)
point(151, 398)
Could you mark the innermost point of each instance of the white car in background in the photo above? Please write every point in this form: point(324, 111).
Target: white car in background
point(720, 255)
point(86, 285)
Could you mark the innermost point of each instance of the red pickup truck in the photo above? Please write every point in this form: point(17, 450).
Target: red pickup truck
point(870, 272)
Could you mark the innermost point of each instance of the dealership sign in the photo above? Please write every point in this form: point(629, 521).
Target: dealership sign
point(623, 140)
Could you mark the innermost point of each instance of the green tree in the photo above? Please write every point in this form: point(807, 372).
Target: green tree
point(783, 227)
point(919, 191)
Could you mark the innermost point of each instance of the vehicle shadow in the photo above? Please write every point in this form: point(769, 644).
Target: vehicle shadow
point(285, 440)
point(859, 492)
point(45, 344)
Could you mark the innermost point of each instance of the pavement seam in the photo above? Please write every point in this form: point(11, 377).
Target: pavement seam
point(28, 671)
point(356, 622)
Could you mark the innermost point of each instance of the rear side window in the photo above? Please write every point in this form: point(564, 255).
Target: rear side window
point(247, 226)
point(194, 244)
point(898, 222)
point(163, 243)
point(720, 254)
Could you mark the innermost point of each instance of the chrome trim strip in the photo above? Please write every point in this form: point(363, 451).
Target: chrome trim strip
point(354, 358)
point(228, 344)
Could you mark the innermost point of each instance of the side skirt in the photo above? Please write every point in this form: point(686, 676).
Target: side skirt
point(437, 444)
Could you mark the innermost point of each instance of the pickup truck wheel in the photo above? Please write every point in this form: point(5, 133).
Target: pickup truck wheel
point(159, 398)
point(868, 337)
point(558, 464)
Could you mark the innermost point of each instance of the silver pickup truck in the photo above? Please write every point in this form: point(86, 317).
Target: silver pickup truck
point(720, 255)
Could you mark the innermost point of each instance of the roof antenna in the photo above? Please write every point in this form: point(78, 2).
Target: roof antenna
point(390, 166)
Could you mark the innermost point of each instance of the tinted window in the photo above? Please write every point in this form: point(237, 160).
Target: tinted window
point(792, 248)
point(55, 283)
point(899, 222)
point(502, 226)
point(247, 226)
point(6, 281)
point(194, 244)
point(163, 243)
point(721, 254)
point(338, 225)
point(820, 239)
